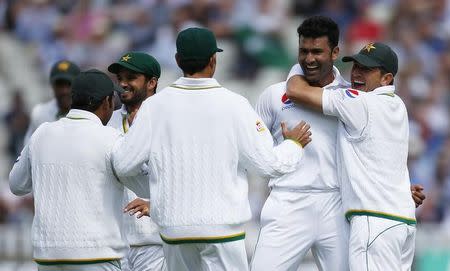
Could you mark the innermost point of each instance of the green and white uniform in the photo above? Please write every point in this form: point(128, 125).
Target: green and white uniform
point(372, 153)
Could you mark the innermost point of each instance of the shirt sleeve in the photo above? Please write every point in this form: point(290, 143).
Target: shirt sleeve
point(257, 151)
point(131, 151)
point(20, 175)
point(349, 106)
point(264, 108)
point(295, 70)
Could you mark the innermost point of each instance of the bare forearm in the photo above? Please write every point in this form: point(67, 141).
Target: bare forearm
point(300, 92)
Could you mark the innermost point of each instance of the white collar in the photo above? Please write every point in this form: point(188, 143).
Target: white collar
point(384, 89)
point(195, 83)
point(78, 114)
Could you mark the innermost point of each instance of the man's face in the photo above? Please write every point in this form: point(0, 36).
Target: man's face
point(135, 86)
point(364, 78)
point(316, 59)
point(63, 94)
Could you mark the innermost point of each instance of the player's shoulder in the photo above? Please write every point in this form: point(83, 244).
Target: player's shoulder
point(274, 89)
point(273, 93)
point(45, 109)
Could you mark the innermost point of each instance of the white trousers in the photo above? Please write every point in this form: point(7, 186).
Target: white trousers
point(379, 244)
point(144, 258)
point(107, 266)
point(228, 256)
point(293, 222)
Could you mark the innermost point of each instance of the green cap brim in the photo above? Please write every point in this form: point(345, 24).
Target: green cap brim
point(363, 60)
point(115, 67)
point(66, 77)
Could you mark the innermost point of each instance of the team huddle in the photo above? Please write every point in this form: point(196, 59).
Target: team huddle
point(335, 153)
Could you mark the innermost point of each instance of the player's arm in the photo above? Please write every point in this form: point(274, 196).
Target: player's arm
point(20, 175)
point(131, 152)
point(257, 150)
point(299, 91)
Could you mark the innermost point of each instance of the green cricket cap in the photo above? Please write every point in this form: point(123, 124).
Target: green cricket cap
point(63, 70)
point(196, 44)
point(376, 55)
point(137, 62)
point(95, 84)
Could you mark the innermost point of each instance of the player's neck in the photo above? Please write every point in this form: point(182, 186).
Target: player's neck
point(325, 81)
point(132, 107)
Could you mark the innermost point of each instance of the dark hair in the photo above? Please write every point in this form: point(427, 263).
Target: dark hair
point(319, 26)
point(87, 103)
point(192, 66)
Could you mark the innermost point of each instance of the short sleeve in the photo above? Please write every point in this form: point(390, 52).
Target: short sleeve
point(349, 106)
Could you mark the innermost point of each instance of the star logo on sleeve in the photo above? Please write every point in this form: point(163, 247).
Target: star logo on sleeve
point(126, 58)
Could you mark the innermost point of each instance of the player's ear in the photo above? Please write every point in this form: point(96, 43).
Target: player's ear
point(335, 53)
point(151, 85)
point(386, 79)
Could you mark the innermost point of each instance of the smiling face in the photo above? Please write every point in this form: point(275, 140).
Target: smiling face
point(367, 79)
point(137, 87)
point(316, 59)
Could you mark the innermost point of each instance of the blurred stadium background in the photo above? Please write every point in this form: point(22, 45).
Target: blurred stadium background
point(260, 44)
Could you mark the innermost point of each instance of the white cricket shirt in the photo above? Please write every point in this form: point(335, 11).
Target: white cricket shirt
point(318, 167)
point(78, 201)
point(142, 231)
point(372, 152)
point(198, 138)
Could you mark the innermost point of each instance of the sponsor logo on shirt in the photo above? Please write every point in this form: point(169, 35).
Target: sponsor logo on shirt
point(352, 93)
point(260, 126)
point(285, 99)
point(287, 103)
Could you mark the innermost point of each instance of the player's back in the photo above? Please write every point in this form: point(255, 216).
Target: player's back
point(71, 171)
point(195, 133)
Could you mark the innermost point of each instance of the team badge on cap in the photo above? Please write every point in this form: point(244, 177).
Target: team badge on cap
point(63, 66)
point(126, 58)
point(352, 93)
point(369, 47)
point(260, 126)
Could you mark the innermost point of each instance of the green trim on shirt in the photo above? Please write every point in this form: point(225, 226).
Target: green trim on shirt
point(208, 240)
point(74, 261)
point(76, 118)
point(193, 88)
point(407, 220)
point(124, 124)
point(390, 94)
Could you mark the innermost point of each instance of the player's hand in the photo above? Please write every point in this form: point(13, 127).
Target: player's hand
point(299, 133)
point(417, 194)
point(139, 206)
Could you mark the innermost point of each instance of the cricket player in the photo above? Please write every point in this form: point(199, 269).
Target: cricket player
point(78, 200)
point(372, 150)
point(137, 73)
point(198, 153)
point(61, 76)
point(304, 208)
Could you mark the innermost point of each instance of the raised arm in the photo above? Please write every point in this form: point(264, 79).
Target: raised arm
point(300, 92)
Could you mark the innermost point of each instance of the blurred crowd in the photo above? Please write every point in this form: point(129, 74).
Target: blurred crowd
point(93, 33)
